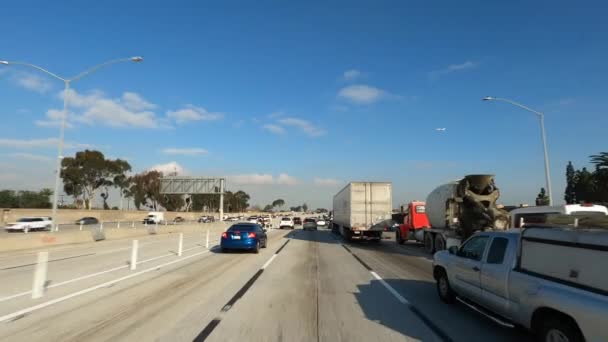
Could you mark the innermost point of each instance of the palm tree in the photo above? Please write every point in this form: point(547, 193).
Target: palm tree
point(600, 160)
point(601, 176)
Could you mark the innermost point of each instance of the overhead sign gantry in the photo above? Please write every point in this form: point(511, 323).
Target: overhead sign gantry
point(180, 185)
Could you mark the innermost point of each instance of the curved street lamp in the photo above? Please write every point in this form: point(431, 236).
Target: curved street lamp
point(67, 82)
point(541, 118)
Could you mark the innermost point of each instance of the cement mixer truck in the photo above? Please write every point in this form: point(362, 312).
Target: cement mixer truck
point(453, 212)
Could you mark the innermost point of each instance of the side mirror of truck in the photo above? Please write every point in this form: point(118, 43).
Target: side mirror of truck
point(453, 250)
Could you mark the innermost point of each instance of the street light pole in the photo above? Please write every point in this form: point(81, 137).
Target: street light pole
point(60, 153)
point(67, 82)
point(541, 118)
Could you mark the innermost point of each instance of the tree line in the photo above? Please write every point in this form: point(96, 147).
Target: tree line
point(25, 199)
point(89, 172)
point(299, 208)
point(279, 203)
point(588, 186)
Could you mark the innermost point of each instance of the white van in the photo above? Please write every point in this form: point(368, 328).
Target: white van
point(155, 217)
point(539, 214)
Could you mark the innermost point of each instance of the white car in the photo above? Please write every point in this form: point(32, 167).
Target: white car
point(252, 219)
point(25, 224)
point(286, 222)
point(321, 222)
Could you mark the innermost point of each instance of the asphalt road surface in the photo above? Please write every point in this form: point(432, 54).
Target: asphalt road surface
point(306, 286)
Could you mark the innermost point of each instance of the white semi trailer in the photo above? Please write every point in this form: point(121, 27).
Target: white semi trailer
point(362, 210)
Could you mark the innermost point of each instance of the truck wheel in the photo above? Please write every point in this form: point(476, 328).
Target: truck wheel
point(443, 288)
point(429, 246)
point(348, 235)
point(398, 238)
point(560, 329)
point(439, 242)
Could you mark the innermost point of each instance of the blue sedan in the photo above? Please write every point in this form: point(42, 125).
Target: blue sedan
point(249, 236)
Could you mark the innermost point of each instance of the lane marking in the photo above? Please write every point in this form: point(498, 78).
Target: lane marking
point(269, 261)
point(69, 281)
point(202, 336)
point(93, 288)
point(283, 246)
point(240, 293)
point(390, 289)
point(208, 330)
point(434, 328)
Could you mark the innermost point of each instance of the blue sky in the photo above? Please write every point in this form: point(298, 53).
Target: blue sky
point(294, 99)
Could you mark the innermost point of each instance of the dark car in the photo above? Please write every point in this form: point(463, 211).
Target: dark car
point(206, 219)
point(310, 224)
point(87, 220)
point(248, 236)
point(179, 219)
point(297, 220)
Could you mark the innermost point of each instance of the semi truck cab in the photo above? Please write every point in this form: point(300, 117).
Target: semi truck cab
point(414, 221)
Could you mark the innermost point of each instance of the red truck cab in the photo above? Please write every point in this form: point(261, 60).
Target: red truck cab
point(414, 221)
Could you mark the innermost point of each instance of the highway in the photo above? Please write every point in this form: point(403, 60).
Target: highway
point(306, 286)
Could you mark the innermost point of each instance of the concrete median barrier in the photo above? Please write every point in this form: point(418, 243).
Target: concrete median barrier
point(34, 240)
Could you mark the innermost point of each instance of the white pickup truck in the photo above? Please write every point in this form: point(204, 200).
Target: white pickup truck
point(550, 280)
point(26, 224)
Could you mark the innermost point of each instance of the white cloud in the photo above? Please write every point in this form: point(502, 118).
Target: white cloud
point(194, 151)
point(193, 113)
point(135, 102)
point(94, 108)
point(452, 68)
point(251, 179)
point(33, 82)
point(276, 129)
point(351, 75)
point(362, 94)
point(76, 146)
point(286, 179)
point(275, 115)
point(463, 66)
point(28, 143)
point(326, 181)
point(304, 126)
point(40, 143)
point(169, 168)
point(29, 156)
point(54, 117)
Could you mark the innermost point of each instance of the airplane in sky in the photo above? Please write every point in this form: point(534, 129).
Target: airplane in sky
point(440, 129)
